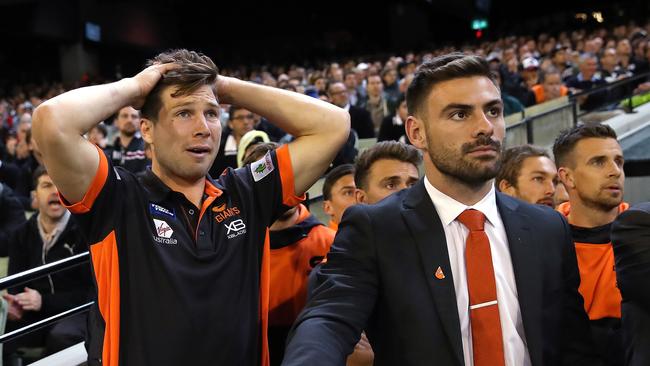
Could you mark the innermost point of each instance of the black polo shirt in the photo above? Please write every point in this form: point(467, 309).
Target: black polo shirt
point(178, 290)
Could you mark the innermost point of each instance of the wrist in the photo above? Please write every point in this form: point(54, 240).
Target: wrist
point(127, 91)
point(225, 85)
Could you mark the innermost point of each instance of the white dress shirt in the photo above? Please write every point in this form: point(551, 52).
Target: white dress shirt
point(514, 339)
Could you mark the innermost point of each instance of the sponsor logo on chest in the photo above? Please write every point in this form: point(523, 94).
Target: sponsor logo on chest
point(163, 232)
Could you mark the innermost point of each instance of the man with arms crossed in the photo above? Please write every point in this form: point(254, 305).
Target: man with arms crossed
point(180, 260)
point(400, 269)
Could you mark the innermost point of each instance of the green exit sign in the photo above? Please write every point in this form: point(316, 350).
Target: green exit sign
point(479, 24)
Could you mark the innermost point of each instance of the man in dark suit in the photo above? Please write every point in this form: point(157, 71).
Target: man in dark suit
point(449, 272)
point(631, 241)
point(360, 120)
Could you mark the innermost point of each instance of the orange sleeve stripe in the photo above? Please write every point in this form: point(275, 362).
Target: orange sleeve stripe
point(289, 197)
point(95, 187)
point(107, 274)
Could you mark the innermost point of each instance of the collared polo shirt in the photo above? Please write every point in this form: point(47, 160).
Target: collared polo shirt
point(131, 158)
point(176, 291)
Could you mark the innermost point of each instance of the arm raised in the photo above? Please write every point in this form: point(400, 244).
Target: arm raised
point(320, 128)
point(58, 126)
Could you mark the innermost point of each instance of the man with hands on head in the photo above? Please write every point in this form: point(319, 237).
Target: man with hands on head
point(181, 259)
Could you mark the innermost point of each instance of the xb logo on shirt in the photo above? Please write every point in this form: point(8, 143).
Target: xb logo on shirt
point(235, 228)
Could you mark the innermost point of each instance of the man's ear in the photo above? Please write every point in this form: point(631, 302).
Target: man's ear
point(146, 130)
point(507, 188)
point(360, 195)
point(566, 177)
point(415, 132)
point(327, 208)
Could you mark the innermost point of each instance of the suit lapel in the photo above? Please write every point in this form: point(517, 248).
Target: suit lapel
point(426, 230)
point(524, 252)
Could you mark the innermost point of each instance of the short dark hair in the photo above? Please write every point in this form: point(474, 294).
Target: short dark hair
point(101, 127)
point(567, 140)
point(258, 151)
point(513, 159)
point(233, 108)
point(333, 176)
point(385, 150)
point(443, 68)
point(38, 172)
point(195, 70)
point(551, 71)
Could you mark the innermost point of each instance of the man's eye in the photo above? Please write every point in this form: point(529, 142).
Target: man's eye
point(494, 112)
point(459, 116)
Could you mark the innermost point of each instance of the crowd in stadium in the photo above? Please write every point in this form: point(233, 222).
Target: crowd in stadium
point(59, 198)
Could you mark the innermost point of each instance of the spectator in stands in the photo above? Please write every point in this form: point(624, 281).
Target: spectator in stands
point(530, 71)
point(640, 47)
point(127, 150)
point(25, 170)
point(9, 152)
point(588, 79)
point(9, 171)
point(97, 135)
point(298, 242)
point(630, 233)
point(205, 239)
point(391, 85)
point(385, 168)
point(590, 164)
point(376, 103)
point(624, 54)
point(351, 84)
point(49, 235)
point(528, 173)
point(240, 121)
point(338, 193)
point(392, 127)
point(360, 120)
point(510, 104)
point(561, 62)
point(550, 87)
point(12, 216)
point(514, 82)
point(610, 71)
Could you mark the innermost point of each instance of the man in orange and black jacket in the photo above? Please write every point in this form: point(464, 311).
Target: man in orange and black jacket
point(590, 164)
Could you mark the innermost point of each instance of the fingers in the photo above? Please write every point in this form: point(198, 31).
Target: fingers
point(165, 68)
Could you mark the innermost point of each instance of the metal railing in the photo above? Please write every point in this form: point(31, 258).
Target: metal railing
point(542, 128)
point(38, 272)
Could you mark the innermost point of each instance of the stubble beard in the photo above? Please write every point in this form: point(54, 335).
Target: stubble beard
point(462, 169)
point(600, 202)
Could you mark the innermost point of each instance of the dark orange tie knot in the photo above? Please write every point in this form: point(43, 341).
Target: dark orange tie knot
point(473, 219)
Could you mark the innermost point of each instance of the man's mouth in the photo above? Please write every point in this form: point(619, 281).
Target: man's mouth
point(199, 149)
point(547, 201)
